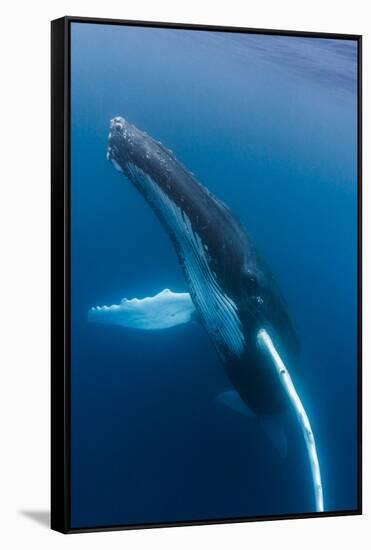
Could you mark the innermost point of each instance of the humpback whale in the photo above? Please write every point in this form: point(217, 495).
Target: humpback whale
point(234, 292)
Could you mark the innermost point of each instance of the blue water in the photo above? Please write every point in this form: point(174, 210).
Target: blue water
point(268, 124)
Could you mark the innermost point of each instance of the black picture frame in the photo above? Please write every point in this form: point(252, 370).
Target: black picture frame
point(60, 269)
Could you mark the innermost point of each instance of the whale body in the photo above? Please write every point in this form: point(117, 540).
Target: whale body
point(231, 287)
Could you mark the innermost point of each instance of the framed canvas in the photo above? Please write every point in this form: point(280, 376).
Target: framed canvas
point(206, 274)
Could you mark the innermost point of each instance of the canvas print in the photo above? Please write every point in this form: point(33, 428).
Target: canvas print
point(214, 250)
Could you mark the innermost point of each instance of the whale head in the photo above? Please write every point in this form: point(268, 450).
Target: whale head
point(137, 155)
point(125, 144)
point(152, 168)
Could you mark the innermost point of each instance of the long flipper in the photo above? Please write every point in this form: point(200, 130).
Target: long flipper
point(266, 344)
point(164, 310)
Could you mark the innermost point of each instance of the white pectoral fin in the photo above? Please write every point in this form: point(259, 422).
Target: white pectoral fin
point(164, 310)
point(266, 344)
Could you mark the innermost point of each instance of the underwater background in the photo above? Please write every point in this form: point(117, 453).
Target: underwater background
point(269, 125)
